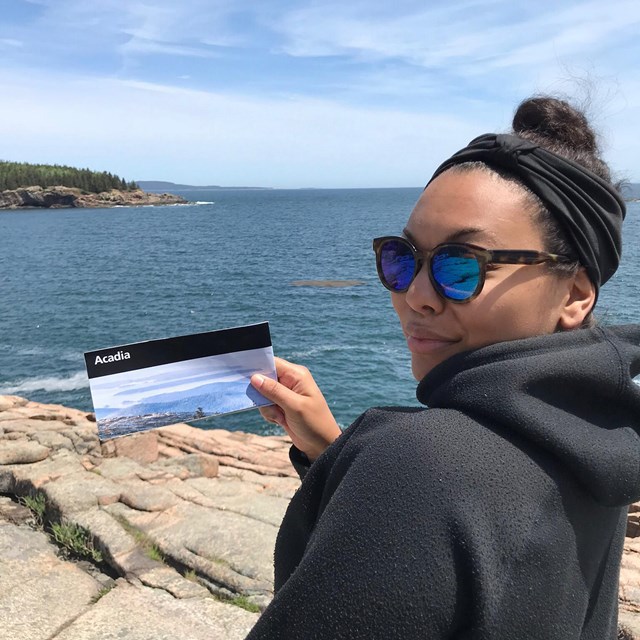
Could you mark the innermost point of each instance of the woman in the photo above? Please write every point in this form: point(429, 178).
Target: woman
point(499, 511)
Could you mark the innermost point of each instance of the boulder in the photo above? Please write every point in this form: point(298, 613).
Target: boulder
point(141, 447)
point(22, 452)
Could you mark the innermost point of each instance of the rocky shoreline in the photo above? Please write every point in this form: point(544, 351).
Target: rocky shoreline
point(175, 526)
point(66, 197)
point(166, 533)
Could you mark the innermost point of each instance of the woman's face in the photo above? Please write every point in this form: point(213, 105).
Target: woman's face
point(517, 301)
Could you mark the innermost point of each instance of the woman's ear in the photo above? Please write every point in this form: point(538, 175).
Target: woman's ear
point(580, 300)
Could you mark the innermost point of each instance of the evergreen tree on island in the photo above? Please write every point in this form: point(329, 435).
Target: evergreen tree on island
point(14, 175)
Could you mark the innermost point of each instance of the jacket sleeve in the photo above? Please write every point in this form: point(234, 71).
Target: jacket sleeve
point(380, 561)
point(299, 461)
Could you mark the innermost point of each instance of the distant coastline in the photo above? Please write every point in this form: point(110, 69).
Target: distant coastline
point(170, 187)
point(148, 193)
point(630, 191)
point(68, 197)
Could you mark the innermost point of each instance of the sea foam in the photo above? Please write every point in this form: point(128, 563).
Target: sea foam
point(78, 380)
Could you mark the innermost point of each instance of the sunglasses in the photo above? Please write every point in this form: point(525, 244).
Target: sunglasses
point(456, 271)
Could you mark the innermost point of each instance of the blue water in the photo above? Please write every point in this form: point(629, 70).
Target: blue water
point(76, 280)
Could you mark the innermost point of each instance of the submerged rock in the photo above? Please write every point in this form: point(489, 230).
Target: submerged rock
point(327, 283)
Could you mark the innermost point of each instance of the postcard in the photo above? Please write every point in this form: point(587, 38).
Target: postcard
point(140, 386)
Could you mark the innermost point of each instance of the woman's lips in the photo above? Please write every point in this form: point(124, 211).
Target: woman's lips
point(425, 345)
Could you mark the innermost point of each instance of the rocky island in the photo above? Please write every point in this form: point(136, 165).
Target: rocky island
point(66, 197)
point(51, 186)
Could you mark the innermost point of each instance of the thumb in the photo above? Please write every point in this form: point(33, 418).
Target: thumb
point(273, 390)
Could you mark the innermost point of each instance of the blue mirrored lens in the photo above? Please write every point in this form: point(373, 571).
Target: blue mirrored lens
point(397, 264)
point(456, 271)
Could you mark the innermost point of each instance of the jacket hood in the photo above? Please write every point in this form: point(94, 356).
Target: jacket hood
point(570, 393)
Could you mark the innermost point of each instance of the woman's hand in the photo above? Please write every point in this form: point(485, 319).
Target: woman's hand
point(300, 408)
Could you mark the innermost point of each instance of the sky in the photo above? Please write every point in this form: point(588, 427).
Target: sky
point(286, 94)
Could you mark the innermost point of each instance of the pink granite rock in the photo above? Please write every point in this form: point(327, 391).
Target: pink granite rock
point(141, 447)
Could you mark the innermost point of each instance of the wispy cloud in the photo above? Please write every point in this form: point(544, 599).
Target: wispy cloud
point(9, 42)
point(287, 93)
point(492, 32)
point(143, 46)
point(124, 28)
point(144, 131)
point(185, 29)
point(484, 39)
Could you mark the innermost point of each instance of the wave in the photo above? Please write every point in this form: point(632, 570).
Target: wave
point(51, 353)
point(76, 381)
point(32, 351)
point(24, 351)
point(323, 348)
point(202, 202)
point(333, 348)
point(146, 206)
point(72, 356)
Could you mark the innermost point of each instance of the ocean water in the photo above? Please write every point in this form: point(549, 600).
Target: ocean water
point(75, 280)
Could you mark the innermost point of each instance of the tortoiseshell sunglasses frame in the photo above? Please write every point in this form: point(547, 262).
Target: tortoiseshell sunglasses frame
point(483, 256)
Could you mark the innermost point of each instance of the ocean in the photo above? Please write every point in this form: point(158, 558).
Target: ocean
point(76, 280)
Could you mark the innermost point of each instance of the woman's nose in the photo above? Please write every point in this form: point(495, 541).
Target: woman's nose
point(421, 295)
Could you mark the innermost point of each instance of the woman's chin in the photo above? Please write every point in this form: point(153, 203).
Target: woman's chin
point(422, 365)
point(420, 368)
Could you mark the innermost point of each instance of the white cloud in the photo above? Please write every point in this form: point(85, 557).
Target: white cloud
point(10, 42)
point(139, 45)
point(133, 27)
point(485, 34)
point(407, 85)
point(147, 131)
point(584, 31)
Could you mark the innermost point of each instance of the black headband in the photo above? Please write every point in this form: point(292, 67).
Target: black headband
point(589, 209)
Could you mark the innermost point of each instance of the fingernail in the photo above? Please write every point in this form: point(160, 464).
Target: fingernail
point(258, 380)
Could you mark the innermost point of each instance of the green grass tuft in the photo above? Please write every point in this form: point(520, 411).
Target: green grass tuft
point(76, 540)
point(37, 504)
point(153, 552)
point(243, 603)
point(150, 548)
point(101, 593)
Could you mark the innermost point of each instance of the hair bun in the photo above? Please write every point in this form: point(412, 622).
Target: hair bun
point(554, 123)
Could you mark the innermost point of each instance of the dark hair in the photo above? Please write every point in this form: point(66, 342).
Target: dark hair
point(560, 127)
point(556, 125)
